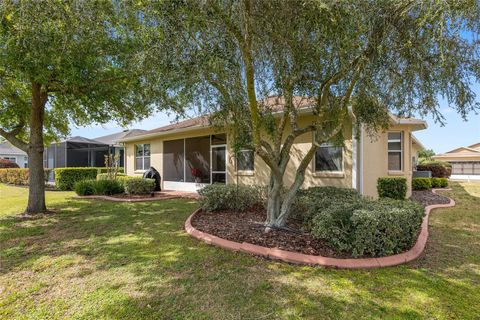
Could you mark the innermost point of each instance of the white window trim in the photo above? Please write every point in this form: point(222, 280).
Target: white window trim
point(332, 173)
point(143, 169)
point(245, 172)
point(402, 147)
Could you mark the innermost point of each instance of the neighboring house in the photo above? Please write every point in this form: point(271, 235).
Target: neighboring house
point(12, 153)
point(191, 154)
point(465, 162)
point(83, 152)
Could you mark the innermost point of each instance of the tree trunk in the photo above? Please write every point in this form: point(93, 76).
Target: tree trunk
point(36, 195)
point(274, 202)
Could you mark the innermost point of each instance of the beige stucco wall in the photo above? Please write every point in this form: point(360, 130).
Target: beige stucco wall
point(456, 157)
point(375, 159)
point(374, 162)
point(260, 176)
point(302, 144)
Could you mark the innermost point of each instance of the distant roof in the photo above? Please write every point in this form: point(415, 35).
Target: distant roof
point(80, 139)
point(273, 103)
point(112, 139)
point(472, 151)
point(7, 148)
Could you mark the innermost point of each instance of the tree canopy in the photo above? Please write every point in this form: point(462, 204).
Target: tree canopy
point(358, 60)
point(70, 62)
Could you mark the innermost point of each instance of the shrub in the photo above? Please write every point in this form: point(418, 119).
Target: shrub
point(385, 227)
point(367, 227)
point(334, 224)
point(439, 182)
point(392, 187)
point(84, 187)
point(421, 183)
point(107, 187)
point(18, 176)
point(439, 169)
point(137, 185)
point(313, 200)
point(217, 197)
point(106, 176)
point(65, 178)
point(4, 163)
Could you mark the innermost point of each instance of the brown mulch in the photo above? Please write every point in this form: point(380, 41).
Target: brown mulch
point(248, 227)
point(427, 197)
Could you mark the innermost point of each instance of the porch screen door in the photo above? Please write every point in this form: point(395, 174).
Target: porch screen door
point(219, 164)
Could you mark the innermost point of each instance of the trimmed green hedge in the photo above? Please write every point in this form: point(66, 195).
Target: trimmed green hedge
point(217, 197)
point(137, 185)
point(367, 227)
point(18, 176)
point(439, 182)
point(65, 178)
point(392, 187)
point(421, 183)
point(98, 187)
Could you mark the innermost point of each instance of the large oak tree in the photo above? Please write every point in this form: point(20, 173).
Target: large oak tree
point(357, 60)
point(69, 62)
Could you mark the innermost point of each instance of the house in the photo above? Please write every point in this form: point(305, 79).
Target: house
point(465, 162)
point(12, 153)
point(191, 154)
point(417, 146)
point(84, 152)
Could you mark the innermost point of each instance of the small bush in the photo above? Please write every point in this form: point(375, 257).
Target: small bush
point(106, 176)
point(4, 163)
point(217, 197)
point(392, 187)
point(84, 187)
point(18, 176)
point(107, 187)
point(65, 178)
point(367, 227)
point(137, 185)
point(385, 227)
point(313, 200)
point(439, 182)
point(421, 183)
point(98, 187)
point(439, 169)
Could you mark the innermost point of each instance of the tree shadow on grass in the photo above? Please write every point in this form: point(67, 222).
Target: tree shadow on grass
point(134, 261)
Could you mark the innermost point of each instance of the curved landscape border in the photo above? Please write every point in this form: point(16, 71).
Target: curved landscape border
point(305, 259)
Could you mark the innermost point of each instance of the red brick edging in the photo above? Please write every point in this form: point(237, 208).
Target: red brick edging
point(300, 258)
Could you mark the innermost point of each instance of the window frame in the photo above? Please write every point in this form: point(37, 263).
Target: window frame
point(143, 156)
point(249, 171)
point(329, 145)
point(401, 151)
point(12, 159)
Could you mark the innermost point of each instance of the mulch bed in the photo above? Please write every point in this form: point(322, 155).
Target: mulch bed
point(248, 227)
point(427, 197)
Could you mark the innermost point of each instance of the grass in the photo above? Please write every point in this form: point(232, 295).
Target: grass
point(102, 260)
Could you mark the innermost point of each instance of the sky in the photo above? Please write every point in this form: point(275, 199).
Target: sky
point(456, 132)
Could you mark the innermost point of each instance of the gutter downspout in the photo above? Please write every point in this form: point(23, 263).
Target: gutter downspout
point(357, 161)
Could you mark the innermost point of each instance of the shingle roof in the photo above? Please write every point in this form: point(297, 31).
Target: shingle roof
point(112, 139)
point(8, 149)
point(273, 103)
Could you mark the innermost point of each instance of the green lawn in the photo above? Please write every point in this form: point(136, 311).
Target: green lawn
point(101, 260)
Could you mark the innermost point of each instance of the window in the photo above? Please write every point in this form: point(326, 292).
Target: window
point(395, 151)
point(245, 160)
point(142, 156)
point(12, 159)
point(328, 157)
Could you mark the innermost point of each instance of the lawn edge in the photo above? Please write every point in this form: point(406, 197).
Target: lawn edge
point(305, 259)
